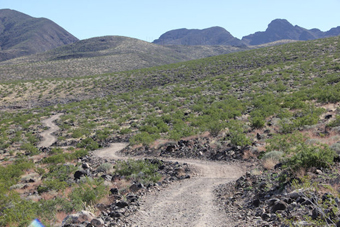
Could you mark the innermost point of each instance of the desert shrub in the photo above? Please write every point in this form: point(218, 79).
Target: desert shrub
point(31, 138)
point(125, 131)
point(51, 184)
point(236, 134)
point(293, 102)
point(11, 173)
point(257, 122)
point(79, 132)
point(180, 129)
point(215, 127)
point(286, 126)
point(144, 138)
point(285, 142)
point(55, 159)
point(40, 171)
point(80, 153)
point(31, 149)
point(16, 211)
point(60, 172)
point(271, 158)
point(335, 147)
point(139, 170)
point(89, 144)
point(305, 156)
point(88, 192)
point(105, 167)
point(274, 155)
point(284, 113)
point(335, 122)
point(102, 134)
point(56, 150)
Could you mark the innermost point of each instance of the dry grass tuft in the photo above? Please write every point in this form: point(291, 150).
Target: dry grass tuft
point(269, 163)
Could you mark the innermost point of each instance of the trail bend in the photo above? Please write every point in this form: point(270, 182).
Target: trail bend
point(185, 203)
point(48, 137)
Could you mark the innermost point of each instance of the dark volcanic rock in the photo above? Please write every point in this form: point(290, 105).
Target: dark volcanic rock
point(78, 174)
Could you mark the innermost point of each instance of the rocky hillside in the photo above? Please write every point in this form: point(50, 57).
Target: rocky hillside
point(208, 36)
point(281, 29)
point(22, 35)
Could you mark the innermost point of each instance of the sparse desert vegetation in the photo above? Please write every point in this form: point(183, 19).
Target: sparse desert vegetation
point(269, 106)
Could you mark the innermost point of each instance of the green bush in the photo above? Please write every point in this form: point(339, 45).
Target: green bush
point(320, 156)
point(55, 159)
point(257, 122)
point(236, 134)
point(11, 173)
point(89, 192)
point(125, 131)
point(286, 126)
point(60, 172)
point(144, 138)
point(274, 155)
point(215, 127)
point(89, 144)
point(285, 142)
point(105, 167)
point(335, 122)
point(139, 170)
point(51, 184)
point(31, 149)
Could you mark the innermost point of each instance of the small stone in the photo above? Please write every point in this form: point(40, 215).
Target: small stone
point(85, 165)
point(256, 202)
point(316, 213)
point(122, 204)
point(319, 172)
point(114, 191)
point(78, 174)
point(280, 205)
point(265, 216)
point(97, 222)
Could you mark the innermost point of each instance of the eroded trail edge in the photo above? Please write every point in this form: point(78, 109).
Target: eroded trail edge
point(185, 203)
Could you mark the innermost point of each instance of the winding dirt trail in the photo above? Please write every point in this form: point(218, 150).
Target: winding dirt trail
point(185, 203)
point(48, 138)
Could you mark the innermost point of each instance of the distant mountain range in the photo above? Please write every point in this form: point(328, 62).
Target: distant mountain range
point(21, 35)
point(279, 29)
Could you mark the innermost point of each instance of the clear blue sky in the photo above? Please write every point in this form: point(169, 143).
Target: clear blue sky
point(148, 19)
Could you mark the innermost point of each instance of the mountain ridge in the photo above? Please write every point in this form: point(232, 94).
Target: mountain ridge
point(21, 34)
point(209, 36)
point(278, 29)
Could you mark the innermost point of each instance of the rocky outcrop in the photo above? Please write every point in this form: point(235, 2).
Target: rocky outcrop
point(199, 148)
point(270, 199)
